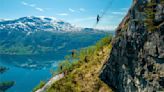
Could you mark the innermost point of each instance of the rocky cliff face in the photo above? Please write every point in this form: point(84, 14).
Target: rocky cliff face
point(136, 63)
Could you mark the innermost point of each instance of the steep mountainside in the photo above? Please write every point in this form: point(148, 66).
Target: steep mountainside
point(81, 71)
point(84, 76)
point(136, 62)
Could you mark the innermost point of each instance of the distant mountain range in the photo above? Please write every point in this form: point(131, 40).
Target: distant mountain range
point(48, 38)
point(32, 24)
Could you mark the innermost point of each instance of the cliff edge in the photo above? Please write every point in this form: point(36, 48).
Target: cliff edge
point(136, 62)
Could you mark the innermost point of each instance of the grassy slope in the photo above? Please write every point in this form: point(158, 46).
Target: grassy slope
point(84, 75)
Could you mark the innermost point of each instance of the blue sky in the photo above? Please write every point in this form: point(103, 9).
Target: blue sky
point(78, 12)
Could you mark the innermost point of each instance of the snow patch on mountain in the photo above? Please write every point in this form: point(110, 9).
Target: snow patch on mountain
point(40, 23)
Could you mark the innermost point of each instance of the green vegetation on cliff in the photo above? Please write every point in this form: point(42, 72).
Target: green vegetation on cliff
point(41, 84)
point(83, 68)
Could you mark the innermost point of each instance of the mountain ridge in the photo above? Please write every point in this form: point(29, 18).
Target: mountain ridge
point(32, 23)
point(40, 23)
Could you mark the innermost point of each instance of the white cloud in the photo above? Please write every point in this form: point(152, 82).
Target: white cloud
point(39, 9)
point(33, 6)
point(119, 13)
point(77, 11)
point(63, 14)
point(107, 27)
point(82, 9)
point(24, 3)
point(71, 10)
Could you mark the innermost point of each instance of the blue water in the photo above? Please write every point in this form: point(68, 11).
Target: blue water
point(25, 79)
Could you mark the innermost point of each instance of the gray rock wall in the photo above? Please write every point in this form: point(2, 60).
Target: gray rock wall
point(136, 63)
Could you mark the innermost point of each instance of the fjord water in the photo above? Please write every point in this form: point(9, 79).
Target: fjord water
point(28, 70)
point(25, 78)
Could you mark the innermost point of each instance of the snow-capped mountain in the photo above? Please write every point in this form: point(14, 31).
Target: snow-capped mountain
point(32, 24)
point(40, 39)
point(2, 20)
